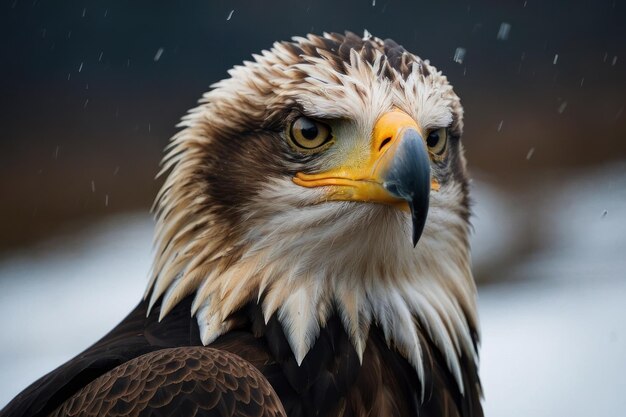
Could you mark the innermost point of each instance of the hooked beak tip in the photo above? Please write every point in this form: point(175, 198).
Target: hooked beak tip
point(409, 179)
point(418, 223)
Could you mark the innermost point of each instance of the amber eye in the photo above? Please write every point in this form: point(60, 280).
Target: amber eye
point(436, 141)
point(309, 134)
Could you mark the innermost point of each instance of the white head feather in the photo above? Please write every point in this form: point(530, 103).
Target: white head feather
point(303, 260)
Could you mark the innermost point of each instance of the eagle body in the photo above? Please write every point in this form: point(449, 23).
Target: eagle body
point(312, 253)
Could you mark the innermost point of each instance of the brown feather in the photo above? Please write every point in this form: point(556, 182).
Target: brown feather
point(141, 351)
point(184, 382)
point(215, 260)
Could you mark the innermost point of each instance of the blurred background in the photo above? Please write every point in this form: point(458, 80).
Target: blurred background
point(92, 91)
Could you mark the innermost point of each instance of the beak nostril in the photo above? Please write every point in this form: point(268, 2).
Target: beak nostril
point(383, 143)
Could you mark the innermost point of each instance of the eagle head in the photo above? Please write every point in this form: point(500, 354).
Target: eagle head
point(324, 177)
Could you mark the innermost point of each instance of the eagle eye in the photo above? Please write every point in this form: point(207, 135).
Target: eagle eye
point(437, 140)
point(308, 134)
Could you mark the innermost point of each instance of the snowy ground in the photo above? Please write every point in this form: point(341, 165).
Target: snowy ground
point(554, 333)
point(61, 297)
point(554, 340)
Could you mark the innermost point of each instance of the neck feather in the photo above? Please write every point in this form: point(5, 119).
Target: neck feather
point(349, 258)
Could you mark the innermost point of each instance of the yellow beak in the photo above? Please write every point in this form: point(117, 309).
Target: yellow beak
point(396, 172)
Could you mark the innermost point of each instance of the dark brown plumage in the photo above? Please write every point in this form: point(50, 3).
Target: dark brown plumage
point(308, 309)
point(329, 382)
point(185, 381)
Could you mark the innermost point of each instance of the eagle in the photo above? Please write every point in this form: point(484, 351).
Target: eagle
point(311, 252)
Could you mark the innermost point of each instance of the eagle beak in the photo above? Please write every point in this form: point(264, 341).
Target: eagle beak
point(408, 178)
point(396, 171)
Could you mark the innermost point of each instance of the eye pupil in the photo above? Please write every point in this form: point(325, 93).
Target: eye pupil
point(433, 139)
point(436, 141)
point(309, 130)
point(309, 134)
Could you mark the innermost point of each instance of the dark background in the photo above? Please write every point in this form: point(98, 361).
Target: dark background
point(87, 109)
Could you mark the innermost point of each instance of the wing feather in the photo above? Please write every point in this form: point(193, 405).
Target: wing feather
point(184, 382)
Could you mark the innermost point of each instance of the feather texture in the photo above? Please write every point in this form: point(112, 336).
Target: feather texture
point(327, 303)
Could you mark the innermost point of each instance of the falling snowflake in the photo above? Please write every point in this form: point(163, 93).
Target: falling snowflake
point(158, 54)
point(459, 55)
point(503, 32)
